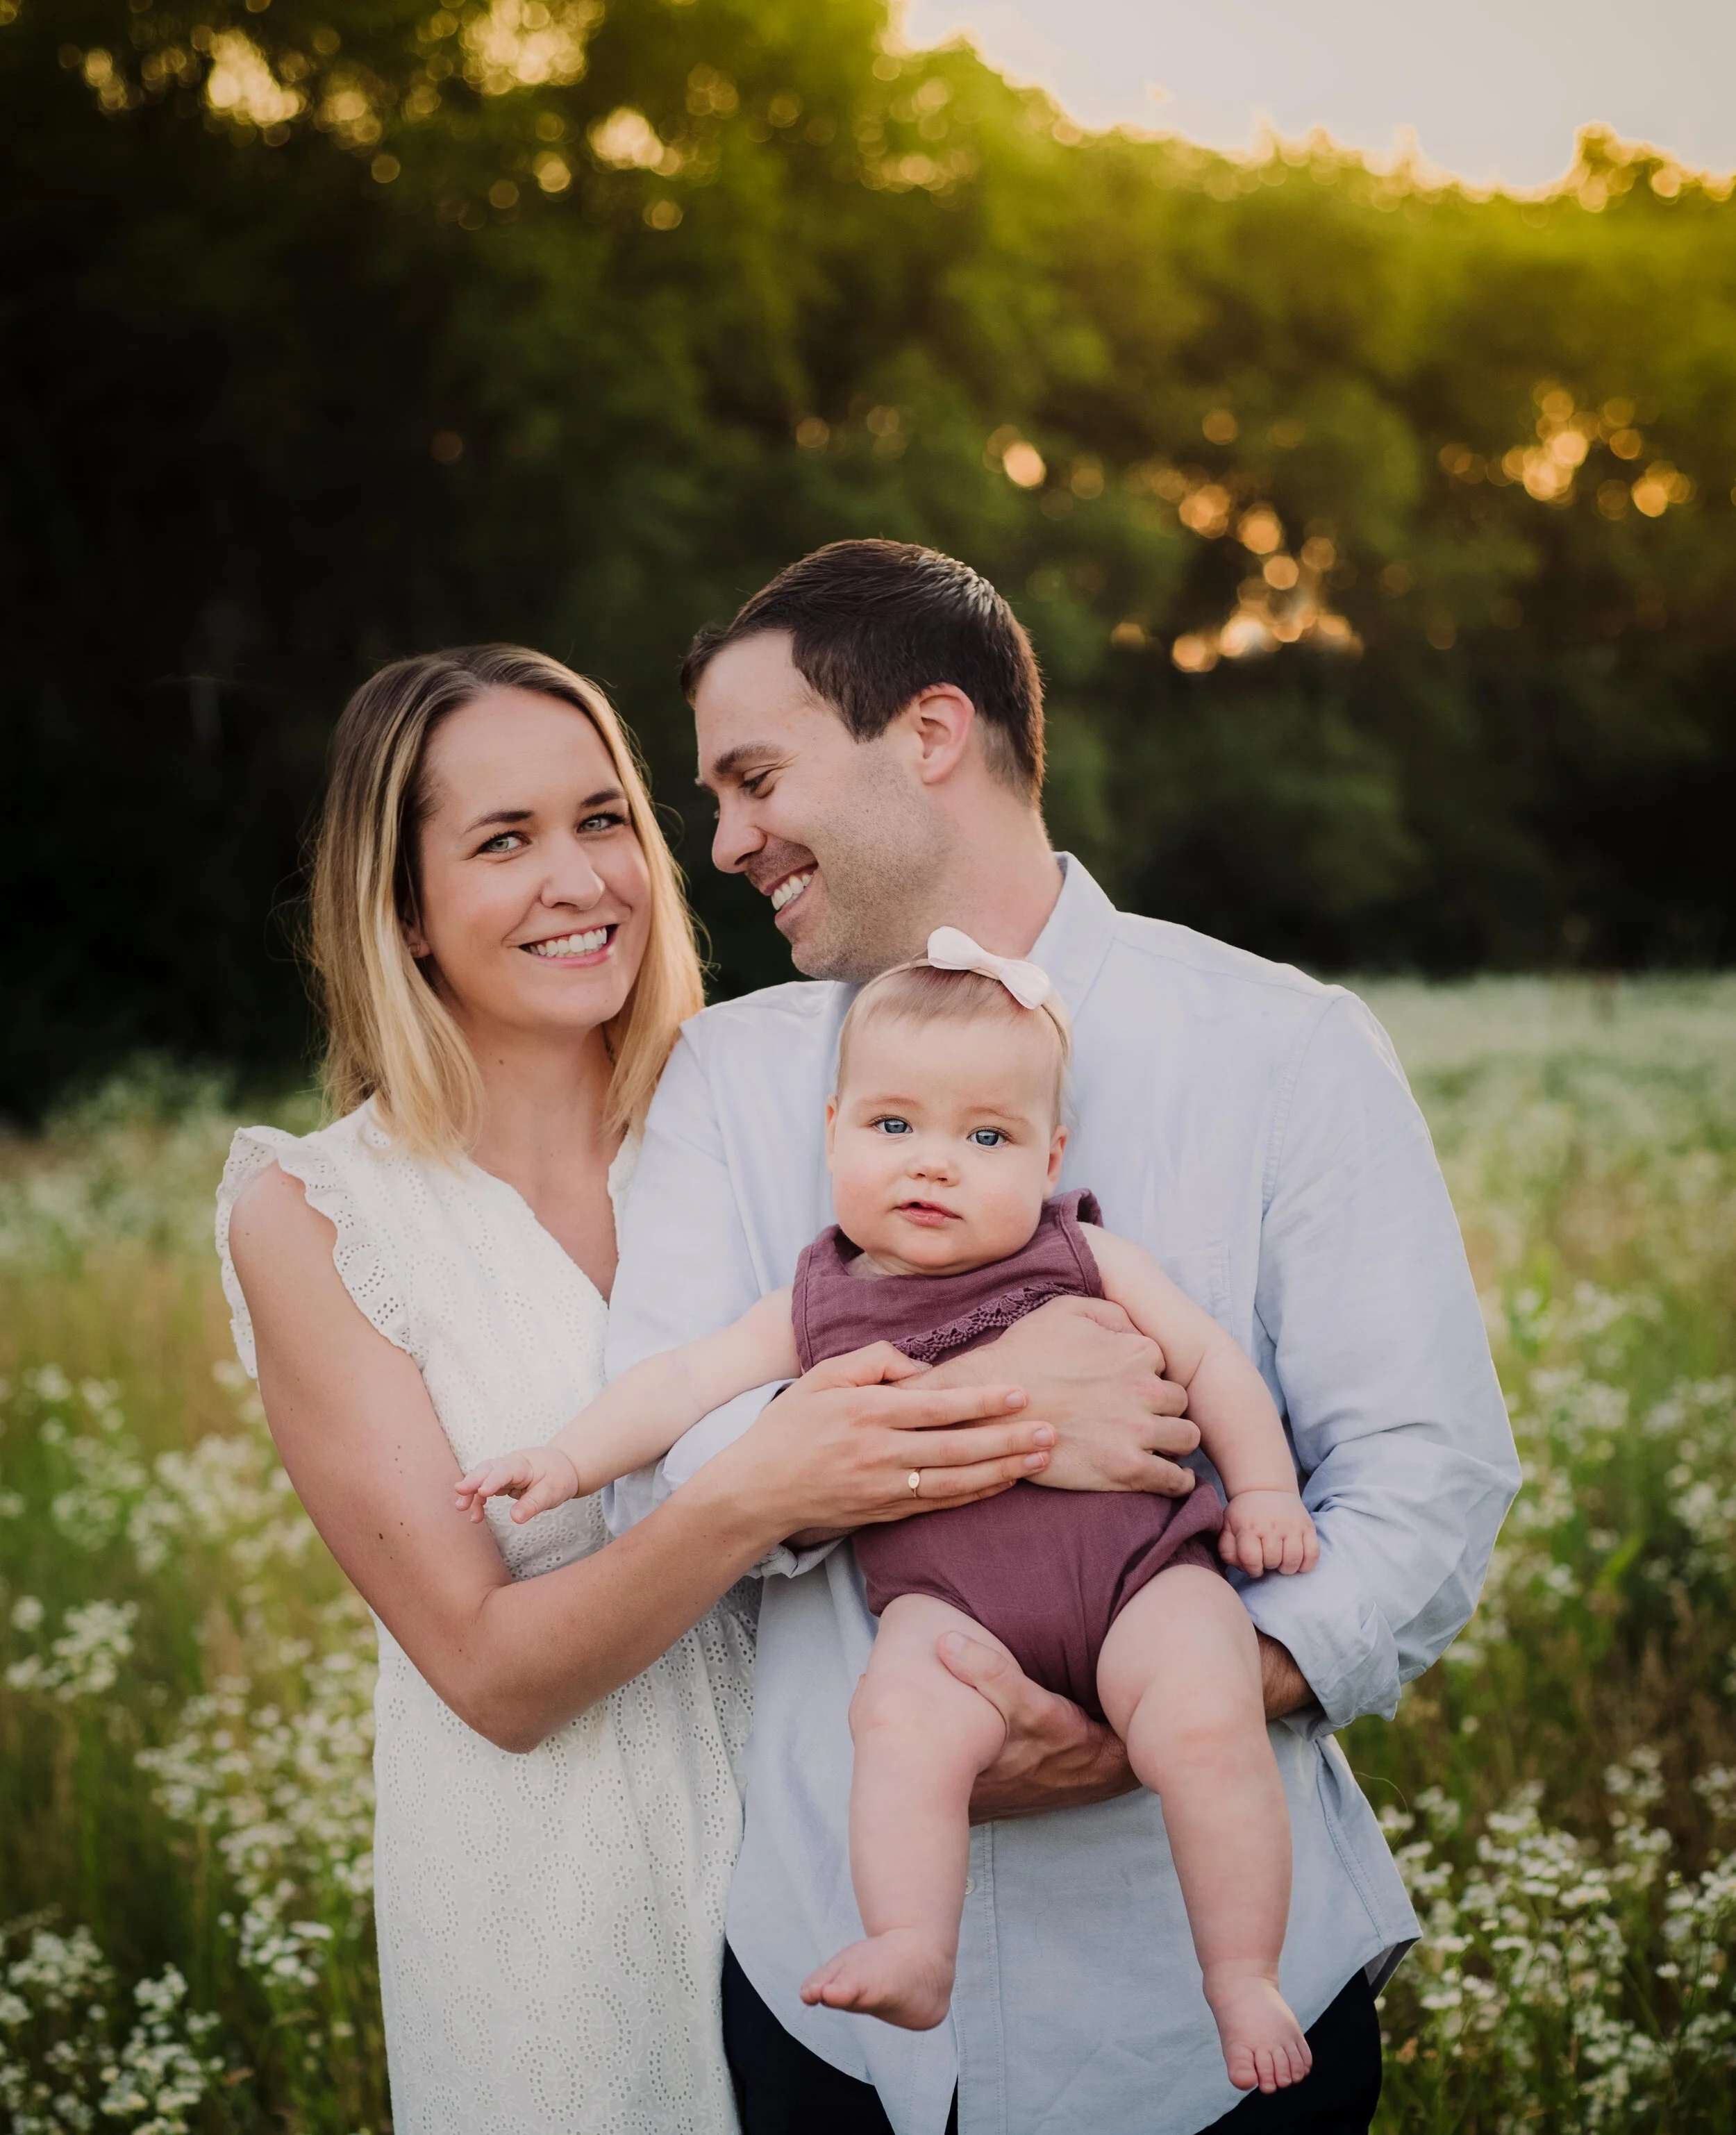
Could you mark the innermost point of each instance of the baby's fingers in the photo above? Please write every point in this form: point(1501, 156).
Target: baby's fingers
point(542, 1497)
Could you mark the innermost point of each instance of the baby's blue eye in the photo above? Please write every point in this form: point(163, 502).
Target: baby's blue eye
point(988, 1137)
point(893, 1126)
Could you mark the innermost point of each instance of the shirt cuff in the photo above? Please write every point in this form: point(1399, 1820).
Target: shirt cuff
point(1339, 1640)
point(785, 1562)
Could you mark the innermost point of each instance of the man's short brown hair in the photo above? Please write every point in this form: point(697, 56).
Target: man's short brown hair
point(874, 623)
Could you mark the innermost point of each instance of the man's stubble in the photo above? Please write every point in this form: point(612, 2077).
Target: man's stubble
point(883, 856)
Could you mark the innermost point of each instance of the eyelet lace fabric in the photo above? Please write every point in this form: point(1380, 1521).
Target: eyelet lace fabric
point(550, 1926)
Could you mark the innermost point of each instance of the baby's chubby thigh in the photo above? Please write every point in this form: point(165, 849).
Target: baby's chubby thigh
point(907, 1694)
point(1178, 1676)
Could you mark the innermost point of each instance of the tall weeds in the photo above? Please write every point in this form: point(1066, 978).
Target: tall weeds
point(185, 1794)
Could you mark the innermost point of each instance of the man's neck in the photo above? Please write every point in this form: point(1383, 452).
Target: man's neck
point(1003, 882)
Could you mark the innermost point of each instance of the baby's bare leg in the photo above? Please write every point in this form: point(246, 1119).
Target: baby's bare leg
point(1180, 1680)
point(921, 1738)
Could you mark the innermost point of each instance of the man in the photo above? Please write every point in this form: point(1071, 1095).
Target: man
point(870, 724)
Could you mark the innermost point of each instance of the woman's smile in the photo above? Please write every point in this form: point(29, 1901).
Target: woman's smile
point(588, 947)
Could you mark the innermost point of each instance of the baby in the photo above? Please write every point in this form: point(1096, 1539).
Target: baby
point(944, 1141)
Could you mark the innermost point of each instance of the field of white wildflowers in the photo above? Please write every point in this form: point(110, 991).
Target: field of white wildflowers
point(185, 1682)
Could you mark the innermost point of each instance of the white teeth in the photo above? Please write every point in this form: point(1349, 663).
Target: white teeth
point(789, 888)
point(572, 945)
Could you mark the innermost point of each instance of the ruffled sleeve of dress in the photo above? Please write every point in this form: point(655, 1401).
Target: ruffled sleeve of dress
point(342, 1169)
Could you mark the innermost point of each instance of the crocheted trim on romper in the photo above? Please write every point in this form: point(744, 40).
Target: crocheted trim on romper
point(993, 1317)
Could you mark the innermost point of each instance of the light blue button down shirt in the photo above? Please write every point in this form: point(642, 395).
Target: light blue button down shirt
point(1254, 1131)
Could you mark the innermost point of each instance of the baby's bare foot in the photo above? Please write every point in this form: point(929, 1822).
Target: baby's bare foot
point(903, 1976)
point(1263, 2046)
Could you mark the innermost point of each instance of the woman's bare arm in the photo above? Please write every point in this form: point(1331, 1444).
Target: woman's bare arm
point(515, 1659)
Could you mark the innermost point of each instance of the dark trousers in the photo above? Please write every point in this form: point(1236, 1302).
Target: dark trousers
point(781, 2089)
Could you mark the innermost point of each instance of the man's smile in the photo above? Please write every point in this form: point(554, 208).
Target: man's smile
point(790, 888)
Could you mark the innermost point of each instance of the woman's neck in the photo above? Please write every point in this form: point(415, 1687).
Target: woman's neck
point(545, 1112)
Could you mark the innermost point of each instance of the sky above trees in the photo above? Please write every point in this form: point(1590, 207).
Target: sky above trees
point(1493, 91)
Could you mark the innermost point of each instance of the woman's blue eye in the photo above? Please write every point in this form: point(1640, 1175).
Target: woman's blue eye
point(988, 1137)
point(893, 1126)
point(498, 842)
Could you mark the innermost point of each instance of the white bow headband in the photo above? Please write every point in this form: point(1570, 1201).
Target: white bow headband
point(951, 949)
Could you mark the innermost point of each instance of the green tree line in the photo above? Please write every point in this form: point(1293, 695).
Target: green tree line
point(1377, 539)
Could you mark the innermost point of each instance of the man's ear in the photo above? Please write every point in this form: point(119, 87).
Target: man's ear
point(1057, 1150)
point(942, 721)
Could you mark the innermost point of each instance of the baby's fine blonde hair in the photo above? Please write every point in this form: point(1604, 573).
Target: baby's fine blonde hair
point(918, 992)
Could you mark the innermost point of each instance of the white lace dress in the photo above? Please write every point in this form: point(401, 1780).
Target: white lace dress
point(550, 1926)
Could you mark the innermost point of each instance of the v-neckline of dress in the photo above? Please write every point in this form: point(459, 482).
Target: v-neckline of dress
point(627, 1155)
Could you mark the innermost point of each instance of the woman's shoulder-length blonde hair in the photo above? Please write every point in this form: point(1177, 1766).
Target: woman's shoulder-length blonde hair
point(388, 1034)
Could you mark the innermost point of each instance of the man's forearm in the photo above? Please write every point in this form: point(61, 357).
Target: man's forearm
point(1285, 1686)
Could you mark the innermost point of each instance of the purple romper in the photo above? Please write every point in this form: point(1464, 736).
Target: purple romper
point(1046, 1570)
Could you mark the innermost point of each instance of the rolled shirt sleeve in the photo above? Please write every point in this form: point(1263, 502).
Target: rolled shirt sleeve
point(1379, 1348)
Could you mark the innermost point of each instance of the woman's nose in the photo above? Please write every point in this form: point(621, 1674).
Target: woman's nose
point(573, 880)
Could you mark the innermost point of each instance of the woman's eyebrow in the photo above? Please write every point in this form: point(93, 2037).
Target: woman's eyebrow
point(523, 814)
point(497, 816)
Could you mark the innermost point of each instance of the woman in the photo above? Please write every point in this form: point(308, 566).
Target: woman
point(504, 957)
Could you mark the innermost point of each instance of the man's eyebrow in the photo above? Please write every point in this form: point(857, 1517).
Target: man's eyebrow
point(732, 759)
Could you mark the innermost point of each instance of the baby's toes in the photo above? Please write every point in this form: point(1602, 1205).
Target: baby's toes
point(1239, 2062)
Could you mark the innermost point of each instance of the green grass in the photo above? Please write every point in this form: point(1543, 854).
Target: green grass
point(184, 1724)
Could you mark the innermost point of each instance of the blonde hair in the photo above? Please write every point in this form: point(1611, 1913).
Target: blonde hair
point(388, 1034)
point(920, 992)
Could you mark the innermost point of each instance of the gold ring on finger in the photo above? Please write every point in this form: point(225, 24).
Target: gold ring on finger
point(914, 1479)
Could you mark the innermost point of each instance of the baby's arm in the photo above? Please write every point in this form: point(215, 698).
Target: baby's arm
point(637, 1419)
point(1267, 1527)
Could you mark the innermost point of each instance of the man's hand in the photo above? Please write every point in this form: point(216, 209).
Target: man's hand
point(1054, 1757)
point(1088, 1371)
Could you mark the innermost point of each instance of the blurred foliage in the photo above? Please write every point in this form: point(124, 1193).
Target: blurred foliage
point(1377, 539)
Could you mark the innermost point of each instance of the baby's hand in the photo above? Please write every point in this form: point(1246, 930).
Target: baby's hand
point(1269, 1531)
point(539, 1478)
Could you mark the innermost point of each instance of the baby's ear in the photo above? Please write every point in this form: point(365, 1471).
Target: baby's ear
point(832, 1125)
point(1057, 1150)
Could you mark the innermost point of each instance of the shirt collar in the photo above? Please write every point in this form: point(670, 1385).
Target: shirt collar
point(1073, 943)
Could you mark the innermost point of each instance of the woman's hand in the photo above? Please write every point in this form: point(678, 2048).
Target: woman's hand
point(837, 1448)
point(1087, 1370)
